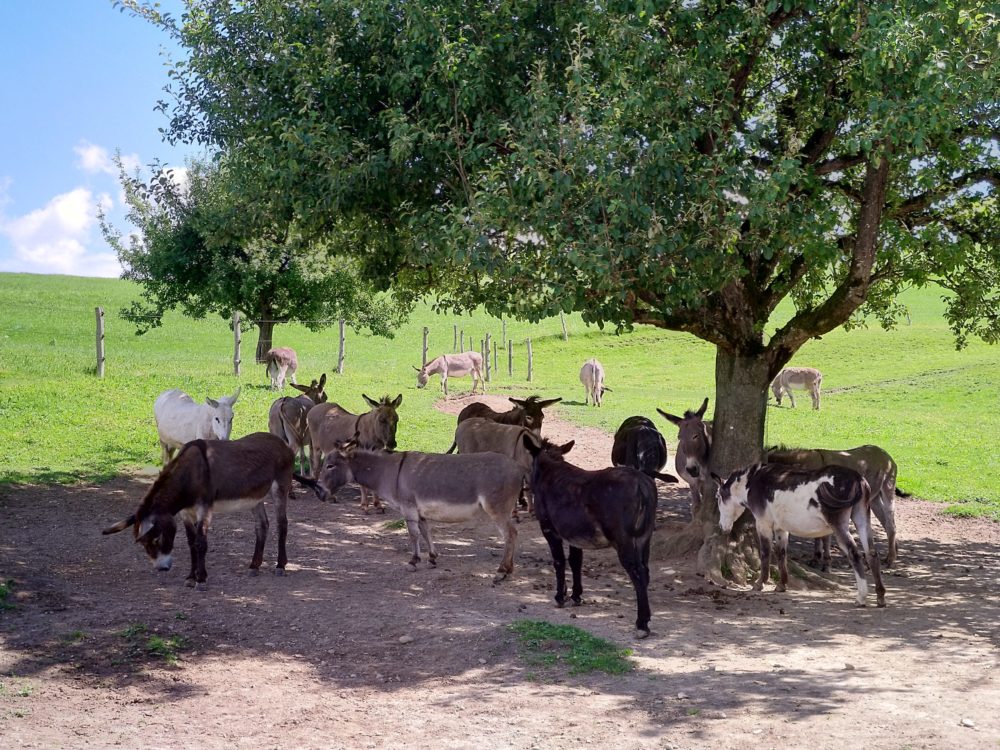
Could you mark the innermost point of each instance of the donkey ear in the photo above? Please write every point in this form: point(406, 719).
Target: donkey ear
point(564, 449)
point(704, 406)
point(549, 402)
point(303, 388)
point(144, 528)
point(516, 401)
point(397, 401)
point(120, 526)
point(416, 368)
point(212, 402)
point(322, 380)
point(669, 417)
point(373, 404)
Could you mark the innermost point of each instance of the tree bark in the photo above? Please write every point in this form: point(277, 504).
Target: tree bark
point(741, 383)
point(265, 334)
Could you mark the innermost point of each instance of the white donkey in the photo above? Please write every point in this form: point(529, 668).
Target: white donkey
point(453, 365)
point(802, 378)
point(179, 420)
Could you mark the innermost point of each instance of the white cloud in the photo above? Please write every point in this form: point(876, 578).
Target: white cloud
point(96, 159)
point(55, 238)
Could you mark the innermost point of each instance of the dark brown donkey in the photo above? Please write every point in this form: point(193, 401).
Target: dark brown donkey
point(593, 510)
point(287, 417)
point(216, 476)
point(526, 413)
point(374, 430)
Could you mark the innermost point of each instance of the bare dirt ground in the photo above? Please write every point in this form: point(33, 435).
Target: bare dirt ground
point(315, 660)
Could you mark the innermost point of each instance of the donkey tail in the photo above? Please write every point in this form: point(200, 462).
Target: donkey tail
point(665, 478)
point(902, 493)
point(315, 486)
point(452, 448)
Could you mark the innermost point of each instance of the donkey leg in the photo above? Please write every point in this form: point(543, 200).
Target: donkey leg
point(791, 398)
point(827, 558)
point(850, 549)
point(413, 527)
point(261, 525)
point(631, 559)
point(508, 530)
point(279, 495)
point(862, 522)
point(201, 549)
point(765, 560)
point(189, 530)
point(781, 548)
point(425, 532)
point(559, 564)
point(576, 566)
point(884, 508)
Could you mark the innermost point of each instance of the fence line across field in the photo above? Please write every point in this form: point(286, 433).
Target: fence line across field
point(488, 346)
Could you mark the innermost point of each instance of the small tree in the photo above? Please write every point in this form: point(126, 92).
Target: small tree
point(201, 249)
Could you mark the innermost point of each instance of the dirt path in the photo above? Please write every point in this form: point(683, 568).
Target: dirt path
point(315, 660)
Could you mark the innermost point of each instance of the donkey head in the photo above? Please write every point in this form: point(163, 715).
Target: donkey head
point(381, 428)
point(422, 376)
point(694, 438)
point(222, 414)
point(336, 470)
point(155, 532)
point(540, 446)
point(731, 496)
point(314, 390)
point(533, 416)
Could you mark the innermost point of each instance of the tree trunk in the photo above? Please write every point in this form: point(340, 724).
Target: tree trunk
point(741, 383)
point(265, 336)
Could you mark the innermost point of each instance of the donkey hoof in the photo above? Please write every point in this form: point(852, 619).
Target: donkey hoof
point(254, 572)
point(201, 586)
point(779, 588)
point(577, 601)
point(641, 633)
point(279, 571)
point(860, 605)
point(411, 567)
point(758, 587)
point(560, 604)
point(499, 577)
point(881, 603)
point(189, 583)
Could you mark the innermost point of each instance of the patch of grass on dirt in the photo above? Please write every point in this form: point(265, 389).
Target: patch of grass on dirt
point(396, 525)
point(24, 690)
point(545, 644)
point(134, 629)
point(5, 591)
point(166, 648)
point(75, 637)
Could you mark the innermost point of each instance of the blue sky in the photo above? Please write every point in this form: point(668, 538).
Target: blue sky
point(78, 80)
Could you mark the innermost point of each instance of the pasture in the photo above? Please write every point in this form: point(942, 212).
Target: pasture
point(350, 650)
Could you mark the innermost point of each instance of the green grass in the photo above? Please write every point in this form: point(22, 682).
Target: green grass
point(932, 407)
point(6, 588)
point(395, 525)
point(168, 648)
point(543, 644)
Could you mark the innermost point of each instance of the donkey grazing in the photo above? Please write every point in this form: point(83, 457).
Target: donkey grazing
point(180, 420)
point(640, 445)
point(802, 378)
point(871, 462)
point(434, 487)
point(694, 448)
point(593, 510)
point(807, 503)
point(330, 424)
point(287, 417)
point(453, 365)
point(592, 377)
point(281, 361)
point(215, 476)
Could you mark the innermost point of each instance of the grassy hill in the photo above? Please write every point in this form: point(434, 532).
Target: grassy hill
point(932, 407)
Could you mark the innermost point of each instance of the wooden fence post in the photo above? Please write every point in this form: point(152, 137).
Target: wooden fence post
point(503, 324)
point(237, 335)
point(562, 319)
point(461, 341)
point(486, 356)
point(510, 357)
point(99, 313)
point(528, 342)
point(340, 355)
point(423, 356)
point(454, 339)
point(495, 356)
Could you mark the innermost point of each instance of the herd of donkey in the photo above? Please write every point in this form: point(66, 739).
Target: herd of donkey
point(503, 463)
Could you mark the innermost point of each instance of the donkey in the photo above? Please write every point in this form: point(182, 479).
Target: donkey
point(640, 445)
point(871, 462)
point(287, 417)
point(330, 424)
point(802, 378)
point(479, 435)
point(613, 507)
point(180, 420)
point(807, 503)
point(592, 377)
point(453, 365)
point(694, 449)
point(526, 412)
point(281, 361)
point(434, 487)
point(215, 476)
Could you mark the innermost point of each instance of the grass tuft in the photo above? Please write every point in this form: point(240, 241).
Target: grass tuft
point(546, 645)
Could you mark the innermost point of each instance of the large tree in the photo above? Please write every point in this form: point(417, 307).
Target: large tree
point(203, 248)
point(687, 165)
